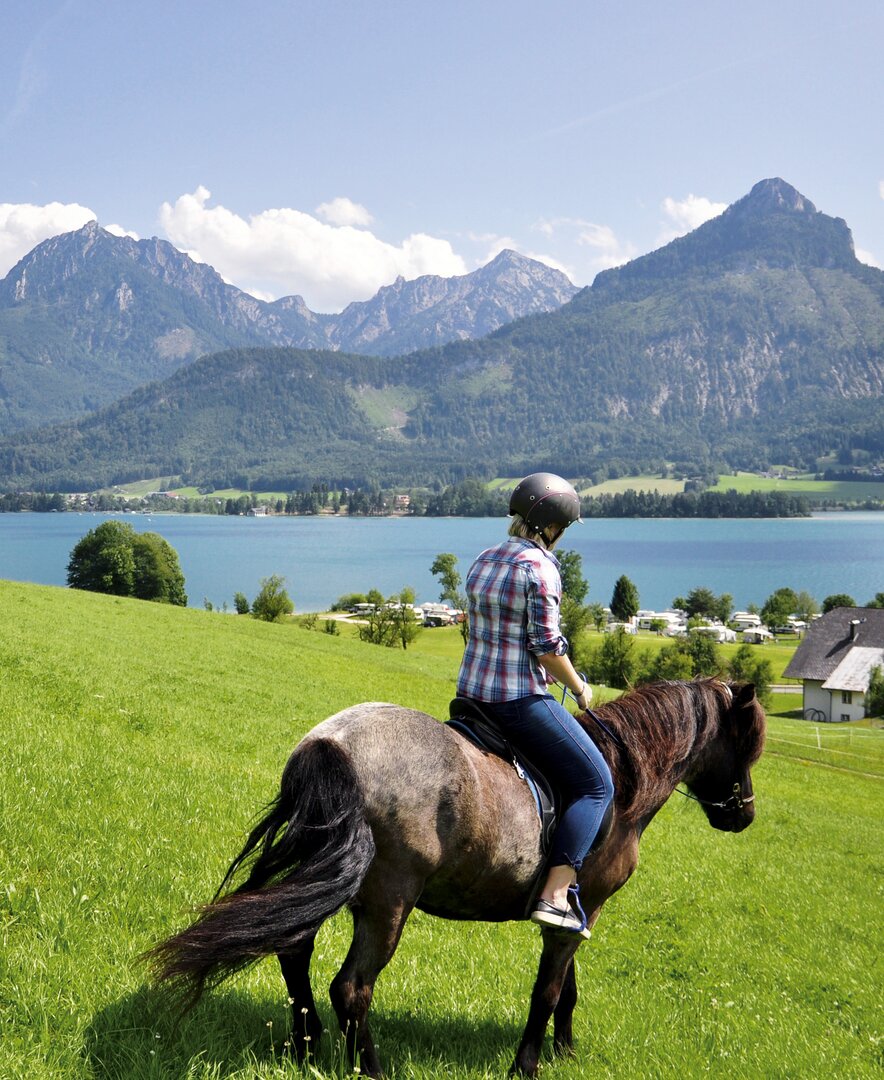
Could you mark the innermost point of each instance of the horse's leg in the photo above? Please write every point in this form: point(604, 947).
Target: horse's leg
point(564, 1012)
point(306, 1025)
point(556, 961)
point(377, 926)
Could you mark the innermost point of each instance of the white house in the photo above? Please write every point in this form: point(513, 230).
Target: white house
point(835, 662)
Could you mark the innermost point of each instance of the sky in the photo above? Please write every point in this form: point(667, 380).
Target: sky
point(325, 148)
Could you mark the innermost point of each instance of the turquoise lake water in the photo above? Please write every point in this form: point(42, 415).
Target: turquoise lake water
point(323, 558)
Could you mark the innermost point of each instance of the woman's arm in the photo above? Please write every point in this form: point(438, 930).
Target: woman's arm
point(564, 672)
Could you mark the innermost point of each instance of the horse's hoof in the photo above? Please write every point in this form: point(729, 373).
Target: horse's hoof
point(525, 1065)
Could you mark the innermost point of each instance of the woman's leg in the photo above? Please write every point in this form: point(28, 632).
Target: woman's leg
point(555, 741)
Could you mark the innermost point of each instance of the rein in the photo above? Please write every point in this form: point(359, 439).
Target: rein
point(735, 802)
point(588, 712)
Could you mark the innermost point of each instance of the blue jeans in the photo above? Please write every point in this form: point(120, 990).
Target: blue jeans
point(551, 738)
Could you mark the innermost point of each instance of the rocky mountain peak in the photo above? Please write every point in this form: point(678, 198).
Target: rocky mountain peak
point(772, 196)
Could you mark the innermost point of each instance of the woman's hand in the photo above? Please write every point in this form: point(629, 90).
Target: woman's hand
point(584, 698)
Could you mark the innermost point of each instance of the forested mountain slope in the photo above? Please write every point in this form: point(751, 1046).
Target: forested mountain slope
point(87, 317)
point(758, 337)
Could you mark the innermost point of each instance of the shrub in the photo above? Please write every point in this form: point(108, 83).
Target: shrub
point(113, 558)
point(272, 604)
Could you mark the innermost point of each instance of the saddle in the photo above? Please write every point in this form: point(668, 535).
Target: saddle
point(468, 719)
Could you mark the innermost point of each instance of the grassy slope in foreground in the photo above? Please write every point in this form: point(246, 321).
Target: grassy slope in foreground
point(140, 741)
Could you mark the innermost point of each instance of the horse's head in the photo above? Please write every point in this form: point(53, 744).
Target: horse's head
point(721, 781)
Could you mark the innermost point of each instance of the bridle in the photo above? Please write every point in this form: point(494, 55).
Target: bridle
point(737, 800)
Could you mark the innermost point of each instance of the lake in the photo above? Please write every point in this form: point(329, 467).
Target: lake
point(324, 557)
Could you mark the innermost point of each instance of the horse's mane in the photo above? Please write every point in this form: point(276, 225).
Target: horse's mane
point(661, 727)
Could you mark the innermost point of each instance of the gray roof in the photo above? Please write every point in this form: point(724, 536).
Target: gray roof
point(828, 642)
point(855, 670)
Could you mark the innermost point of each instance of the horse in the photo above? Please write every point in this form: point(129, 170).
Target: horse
point(383, 809)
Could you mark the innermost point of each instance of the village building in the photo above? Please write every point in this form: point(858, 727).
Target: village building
point(835, 662)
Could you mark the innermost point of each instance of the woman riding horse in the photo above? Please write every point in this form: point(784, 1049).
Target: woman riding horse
point(515, 649)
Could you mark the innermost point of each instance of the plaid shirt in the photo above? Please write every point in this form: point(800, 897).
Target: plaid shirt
point(514, 591)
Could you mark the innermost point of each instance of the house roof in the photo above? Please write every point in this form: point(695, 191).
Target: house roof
point(855, 669)
point(828, 643)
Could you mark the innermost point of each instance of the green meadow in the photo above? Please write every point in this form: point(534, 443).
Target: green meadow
point(140, 742)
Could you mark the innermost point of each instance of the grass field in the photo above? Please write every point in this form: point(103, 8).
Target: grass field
point(140, 742)
point(815, 490)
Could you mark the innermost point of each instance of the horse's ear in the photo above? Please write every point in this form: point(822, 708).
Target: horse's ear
point(744, 695)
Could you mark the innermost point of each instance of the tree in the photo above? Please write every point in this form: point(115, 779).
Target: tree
point(272, 604)
point(746, 666)
point(624, 602)
point(445, 569)
point(113, 558)
point(158, 573)
point(699, 601)
point(778, 607)
point(805, 605)
point(705, 658)
point(671, 662)
point(703, 603)
point(103, 560)
point(837, 600)
point(406, 625)
point(875, 694)
point(241, 603)
point(614, 663)
point(573, 620)
point(877, 601)
point(391, 623)
point(574, 584)
point(598, 616)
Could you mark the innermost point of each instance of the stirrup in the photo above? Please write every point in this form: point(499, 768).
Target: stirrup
point(574, 893)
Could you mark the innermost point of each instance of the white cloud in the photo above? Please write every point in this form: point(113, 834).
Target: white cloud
point(289, 251)
point(343, 211)
point(881, 188)
point(867, 257)
point(118, 230)
point(605, 247)
point(23, 226)
point(687, 214)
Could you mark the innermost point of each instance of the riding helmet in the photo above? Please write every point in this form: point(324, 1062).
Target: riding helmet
point(544, 499)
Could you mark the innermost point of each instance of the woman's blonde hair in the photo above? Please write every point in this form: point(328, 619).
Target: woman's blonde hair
point(520, 528)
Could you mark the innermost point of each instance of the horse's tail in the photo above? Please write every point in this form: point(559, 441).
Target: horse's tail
point(307, 858)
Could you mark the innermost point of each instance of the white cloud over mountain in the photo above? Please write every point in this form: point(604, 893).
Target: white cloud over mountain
point(605, 249)
point(285, 251)
point(686, 214)
point(24, 225)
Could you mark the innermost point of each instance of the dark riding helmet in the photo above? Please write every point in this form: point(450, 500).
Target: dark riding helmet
point(543, 499)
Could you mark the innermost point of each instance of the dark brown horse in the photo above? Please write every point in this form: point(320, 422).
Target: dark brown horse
point(384, 809)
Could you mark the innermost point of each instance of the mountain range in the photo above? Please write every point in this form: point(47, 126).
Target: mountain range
point(756, 339)
point(88, 316)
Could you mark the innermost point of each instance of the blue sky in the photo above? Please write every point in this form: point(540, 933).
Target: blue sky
point(322, 148)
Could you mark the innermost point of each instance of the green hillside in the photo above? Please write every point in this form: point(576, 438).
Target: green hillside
point(140, 741)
